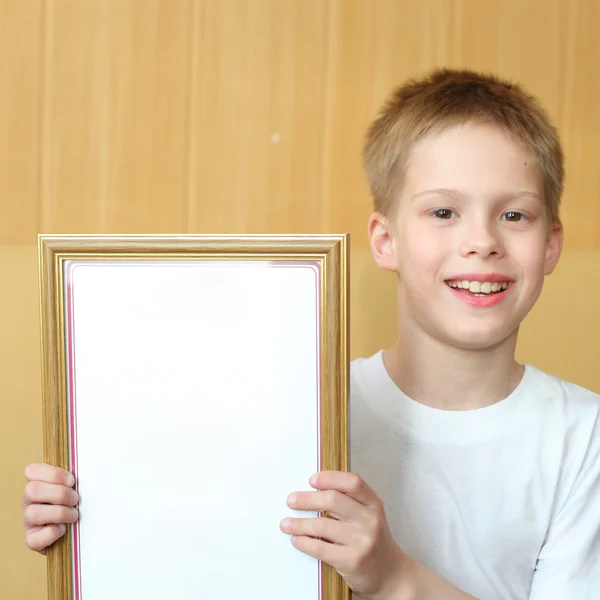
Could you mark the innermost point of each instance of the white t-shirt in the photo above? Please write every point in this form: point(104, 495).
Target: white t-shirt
point(502, 501)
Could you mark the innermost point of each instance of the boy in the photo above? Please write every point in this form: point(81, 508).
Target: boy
point(473, 476)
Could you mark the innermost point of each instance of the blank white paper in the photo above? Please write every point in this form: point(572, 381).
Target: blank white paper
point(195, 414)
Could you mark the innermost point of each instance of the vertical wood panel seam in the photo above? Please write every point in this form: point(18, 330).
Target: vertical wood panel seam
point(564, 120)
point(326, 123)
point(457, 47)
point(188, 216)
point(41, 120)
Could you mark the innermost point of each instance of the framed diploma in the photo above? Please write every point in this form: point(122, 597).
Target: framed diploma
point(191, 383)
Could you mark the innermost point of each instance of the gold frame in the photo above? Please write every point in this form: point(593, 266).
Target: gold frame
point(330, 251)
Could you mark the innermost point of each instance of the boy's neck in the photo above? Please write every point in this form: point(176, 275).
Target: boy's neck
point(448, 378)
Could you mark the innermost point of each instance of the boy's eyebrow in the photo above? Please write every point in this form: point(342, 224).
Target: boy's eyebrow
point(457, 194)
point(445, 191)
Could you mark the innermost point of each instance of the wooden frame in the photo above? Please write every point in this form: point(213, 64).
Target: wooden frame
point(87, 288)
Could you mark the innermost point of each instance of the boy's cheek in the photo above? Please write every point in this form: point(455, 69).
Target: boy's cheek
point(424, 257)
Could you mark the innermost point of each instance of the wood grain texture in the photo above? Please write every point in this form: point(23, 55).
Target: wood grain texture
point(257, 116)
point(248, 117)
point(21, 36)
point(115, 116)
point(579, 119)
point(23, 572)
point(55, 404)
point(273, 245)
point(335, 363)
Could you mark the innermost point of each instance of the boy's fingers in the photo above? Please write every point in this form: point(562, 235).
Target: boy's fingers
point(38, 492)
point(49, 474)
point(321, 550)
point(46, 514)
point(39, 539)
point(329, 530)
point(348, 483)
point(338, 505)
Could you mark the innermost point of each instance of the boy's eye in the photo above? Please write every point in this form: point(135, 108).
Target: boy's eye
point(443, 213)
point(513, 216)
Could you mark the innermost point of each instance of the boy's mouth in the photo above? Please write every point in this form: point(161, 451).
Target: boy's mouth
point(478, 288)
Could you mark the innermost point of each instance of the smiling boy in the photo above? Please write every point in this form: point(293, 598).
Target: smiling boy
point(473, 476)
point(488, 471)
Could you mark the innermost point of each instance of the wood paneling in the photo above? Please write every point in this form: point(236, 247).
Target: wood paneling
point(238, 116)
point(20, 100)
point(115, 145)
point(579, 119)
point(561, 333)
point(22, 572)
point(372, 46)
point(258, 116)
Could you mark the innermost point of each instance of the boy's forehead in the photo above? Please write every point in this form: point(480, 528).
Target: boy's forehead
point(474, 158)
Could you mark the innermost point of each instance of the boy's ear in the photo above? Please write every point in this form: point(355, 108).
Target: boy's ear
point(381, 241)
point(554, 247)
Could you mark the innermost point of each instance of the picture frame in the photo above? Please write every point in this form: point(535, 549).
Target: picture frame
point(190, 383)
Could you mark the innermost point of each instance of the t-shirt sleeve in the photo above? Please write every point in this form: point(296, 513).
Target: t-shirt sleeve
point(568, 565)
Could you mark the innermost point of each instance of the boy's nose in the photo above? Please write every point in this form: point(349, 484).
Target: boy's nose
point(481, 240)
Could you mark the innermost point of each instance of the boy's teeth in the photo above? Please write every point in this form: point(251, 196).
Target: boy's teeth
point(478, 287)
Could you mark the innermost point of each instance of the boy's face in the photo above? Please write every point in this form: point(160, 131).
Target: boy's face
point(470, 221)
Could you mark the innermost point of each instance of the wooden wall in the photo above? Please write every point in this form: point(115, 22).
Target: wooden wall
point(248, 115)
point(155, 116)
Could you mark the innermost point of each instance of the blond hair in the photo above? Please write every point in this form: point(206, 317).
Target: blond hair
point(448, 97)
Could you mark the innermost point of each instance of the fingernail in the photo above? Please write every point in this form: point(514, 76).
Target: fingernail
point(292, 499)
point(286, 523)
point(62, 528)
point(74, 513)
point(74, 497)
point(70, 481)
point(313, 479)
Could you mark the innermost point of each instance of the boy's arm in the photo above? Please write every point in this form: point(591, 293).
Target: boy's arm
point(356, 541)
point(423, 584)
point(568, 565)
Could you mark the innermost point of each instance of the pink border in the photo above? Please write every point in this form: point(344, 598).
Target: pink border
point(71, 374)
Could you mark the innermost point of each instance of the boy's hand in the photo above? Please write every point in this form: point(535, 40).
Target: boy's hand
point(48, 502)
point(356, 542)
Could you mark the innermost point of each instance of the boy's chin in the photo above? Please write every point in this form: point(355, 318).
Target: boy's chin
point(481, 339)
